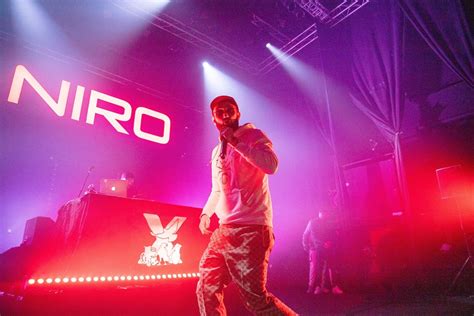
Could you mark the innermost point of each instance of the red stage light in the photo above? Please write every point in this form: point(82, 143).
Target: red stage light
point(58, 280)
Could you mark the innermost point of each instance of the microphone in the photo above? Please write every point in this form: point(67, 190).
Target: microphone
point(223, 148)
point(85, 180)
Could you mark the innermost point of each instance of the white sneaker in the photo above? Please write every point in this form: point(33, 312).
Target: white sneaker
point(336, 290)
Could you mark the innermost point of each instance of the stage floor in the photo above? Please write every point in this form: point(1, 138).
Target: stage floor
point(179, 299)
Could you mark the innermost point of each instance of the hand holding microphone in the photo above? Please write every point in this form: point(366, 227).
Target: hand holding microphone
point(227, 136)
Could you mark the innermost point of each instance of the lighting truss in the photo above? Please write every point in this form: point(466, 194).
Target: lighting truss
point(336, 15)
point(292, 47)
point(190, 35)
point(272, 31)
point(344, 10)
point(315, 9)
point(201, 40)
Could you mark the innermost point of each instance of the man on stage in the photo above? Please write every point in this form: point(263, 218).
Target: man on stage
point(239, 249)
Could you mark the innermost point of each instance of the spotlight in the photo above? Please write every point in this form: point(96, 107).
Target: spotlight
point(268, 45)
point(31, 281)
point(205, 64)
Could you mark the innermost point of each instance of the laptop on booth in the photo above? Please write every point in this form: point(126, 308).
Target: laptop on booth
point(113, 187)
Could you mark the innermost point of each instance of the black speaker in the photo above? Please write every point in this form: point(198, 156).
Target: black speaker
point(38, 230)
point(451, 181)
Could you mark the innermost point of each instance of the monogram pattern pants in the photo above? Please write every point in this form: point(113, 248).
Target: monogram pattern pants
point(240, 254)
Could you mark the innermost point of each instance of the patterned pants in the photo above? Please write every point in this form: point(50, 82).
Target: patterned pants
point(240, 254)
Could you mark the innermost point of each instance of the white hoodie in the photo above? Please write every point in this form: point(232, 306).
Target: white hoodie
point(240, 193)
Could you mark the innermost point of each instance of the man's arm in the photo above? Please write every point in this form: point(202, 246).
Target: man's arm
point(260, 153)
point(210, 206)
point(306, 236)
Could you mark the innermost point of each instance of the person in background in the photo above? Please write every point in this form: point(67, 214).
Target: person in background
point(132, 190)
point(319, 240)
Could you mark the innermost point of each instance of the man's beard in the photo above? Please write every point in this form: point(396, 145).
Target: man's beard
point(234, 125)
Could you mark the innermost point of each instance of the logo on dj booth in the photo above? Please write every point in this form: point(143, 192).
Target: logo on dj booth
point(163, 251)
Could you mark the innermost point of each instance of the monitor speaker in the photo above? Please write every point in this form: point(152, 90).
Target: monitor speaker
point(37, 230)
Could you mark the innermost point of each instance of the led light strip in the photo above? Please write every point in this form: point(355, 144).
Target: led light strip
point(116, 278)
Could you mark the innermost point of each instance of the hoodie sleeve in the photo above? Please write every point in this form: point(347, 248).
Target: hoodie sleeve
point(210, 206)
point(259, 152)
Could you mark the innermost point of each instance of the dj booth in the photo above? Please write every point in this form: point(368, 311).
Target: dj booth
point(112, 238)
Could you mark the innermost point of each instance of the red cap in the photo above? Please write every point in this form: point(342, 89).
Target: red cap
point(222, 98)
